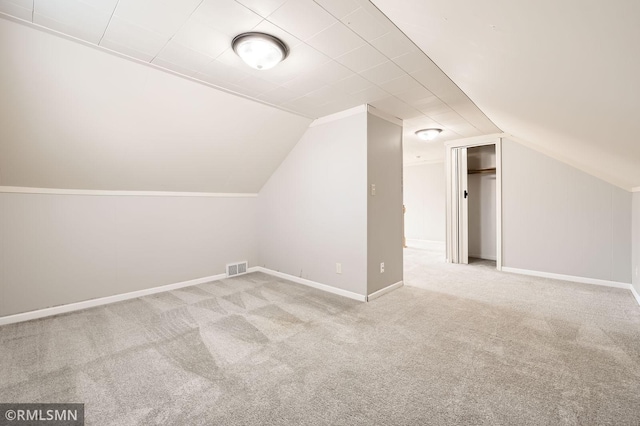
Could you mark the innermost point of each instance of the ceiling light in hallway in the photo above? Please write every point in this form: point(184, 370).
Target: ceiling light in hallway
point(428, 134)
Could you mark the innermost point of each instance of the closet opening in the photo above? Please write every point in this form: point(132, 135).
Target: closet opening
point(481, 183)
point(474, 200)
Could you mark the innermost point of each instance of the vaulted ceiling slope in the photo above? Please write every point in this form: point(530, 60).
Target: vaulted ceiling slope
point(343, 53)
point(73, 117)
point(562, 76)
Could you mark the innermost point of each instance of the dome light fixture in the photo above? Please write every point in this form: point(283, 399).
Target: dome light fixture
point(428, 134)
point(260, 51)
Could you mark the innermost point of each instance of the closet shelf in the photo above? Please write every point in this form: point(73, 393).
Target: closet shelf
point(484, 171)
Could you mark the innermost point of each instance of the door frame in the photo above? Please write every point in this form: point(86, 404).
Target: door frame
point(450, 179)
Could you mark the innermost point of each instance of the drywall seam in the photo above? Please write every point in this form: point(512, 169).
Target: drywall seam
point(314, 284)
point(85, 304)
point(571, 278)
point(384, 291)
point(92, 192)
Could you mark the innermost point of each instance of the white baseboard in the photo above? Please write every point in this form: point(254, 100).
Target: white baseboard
point(78, 306)
point(385, 290)
point(426, 244)
point(304, 281)
point(635, 294)
point(571, 278)
point(85, 304)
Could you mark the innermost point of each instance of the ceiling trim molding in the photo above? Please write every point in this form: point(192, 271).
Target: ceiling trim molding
point(104, 193)
point(636, 189)
point(339, 115)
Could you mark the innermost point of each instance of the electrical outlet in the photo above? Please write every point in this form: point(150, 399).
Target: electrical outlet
point(373, 189)
point(338, 268)
point(382, 268)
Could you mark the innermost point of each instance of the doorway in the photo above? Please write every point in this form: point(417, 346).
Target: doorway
point(474, 200)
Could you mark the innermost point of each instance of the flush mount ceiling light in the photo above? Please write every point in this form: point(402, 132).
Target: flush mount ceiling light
point(428, 134)
point(260, 51)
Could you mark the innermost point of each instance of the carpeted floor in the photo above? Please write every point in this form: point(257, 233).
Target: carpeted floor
point(457, 345)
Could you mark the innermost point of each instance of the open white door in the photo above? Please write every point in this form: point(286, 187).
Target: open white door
point(463, 194)
point(460, 210)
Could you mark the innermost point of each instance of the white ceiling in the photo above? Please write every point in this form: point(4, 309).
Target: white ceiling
point(563, 76)
point(344, 53)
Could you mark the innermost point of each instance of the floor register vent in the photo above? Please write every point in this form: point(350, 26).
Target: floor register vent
point(234, 269)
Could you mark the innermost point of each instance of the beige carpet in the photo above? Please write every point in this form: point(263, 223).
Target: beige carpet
point(460, 345)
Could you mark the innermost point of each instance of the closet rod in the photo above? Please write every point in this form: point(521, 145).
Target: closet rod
point(476, 171)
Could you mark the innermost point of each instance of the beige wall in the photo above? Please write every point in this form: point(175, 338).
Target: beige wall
point(60, 249)
point(313, 213)
point(316, 210)
point(561, 220)
point(424, 196)
point(384, 209)
point(313, 209)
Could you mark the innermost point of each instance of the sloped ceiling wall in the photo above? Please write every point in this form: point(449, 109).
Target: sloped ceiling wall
point(73, 117)
point(561, 76)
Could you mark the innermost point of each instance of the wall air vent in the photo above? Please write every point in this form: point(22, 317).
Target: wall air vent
point(238, 268)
